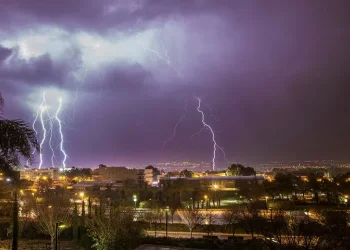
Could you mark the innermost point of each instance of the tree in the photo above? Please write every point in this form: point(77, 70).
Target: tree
point(186, 173)
point(336, 228)
point(15, 226)
point(75, 222)
point(17, 140)
point(232, 217)
point(285, 184)
point(78, 173)
point(118, 231)
point(44, 184)
point(250, 189)
point(315, 186)
point(154, 216)
point(192, 218)
point(331, 190)
point(209, 220)
point(240, 170)
point(251, 219)
point(48, 216)
point(174, 204)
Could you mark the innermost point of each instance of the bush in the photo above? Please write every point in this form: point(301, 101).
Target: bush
point(3, 230)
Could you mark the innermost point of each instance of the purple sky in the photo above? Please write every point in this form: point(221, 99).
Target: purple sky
point(275, 74)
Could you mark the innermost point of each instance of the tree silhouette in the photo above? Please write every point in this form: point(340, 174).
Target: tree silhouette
point(17, 140)
point(240, 170)
point(48, 216)
point(192, 218)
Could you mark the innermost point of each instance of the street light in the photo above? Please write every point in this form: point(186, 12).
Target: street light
point(61, 226)
point(166, 221)
point(135, 199)
point(206, 201)
point(270, 208)
point(346, 200)
point(216, 197)
point(81, 194)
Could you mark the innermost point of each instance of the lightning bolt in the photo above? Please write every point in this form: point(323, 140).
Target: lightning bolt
point(164, 57)
point(177, 124)
point(36, 132)
point(42, 109)
point(82, 82)
point(200, 131)
point(50, 140)
point(61, 133)
point(215, 145)
point(211, 111)
point(78, 89)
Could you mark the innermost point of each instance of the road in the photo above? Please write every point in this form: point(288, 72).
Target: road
point(194, 234)
point(224, 236)
point(217, 215)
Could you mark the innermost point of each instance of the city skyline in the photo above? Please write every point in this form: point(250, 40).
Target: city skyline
point(273, 79)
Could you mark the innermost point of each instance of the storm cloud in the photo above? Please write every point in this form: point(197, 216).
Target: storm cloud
point(275, 74)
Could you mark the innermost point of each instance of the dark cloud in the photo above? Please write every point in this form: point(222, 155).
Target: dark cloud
point(121, 77)
point(4, 53)
point(36, 70)
point(275, 73)
point(95, 15)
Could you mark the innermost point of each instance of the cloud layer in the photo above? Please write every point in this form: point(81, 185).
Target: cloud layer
point(276, 75)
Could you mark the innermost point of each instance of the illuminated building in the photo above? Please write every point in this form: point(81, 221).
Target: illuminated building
point(151, 175)
point(220, 183)
point(115, 174)
point(35, 174)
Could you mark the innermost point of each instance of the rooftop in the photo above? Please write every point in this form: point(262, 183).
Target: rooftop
point(219, 178)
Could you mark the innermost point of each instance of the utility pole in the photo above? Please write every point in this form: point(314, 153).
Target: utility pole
point(56, 237)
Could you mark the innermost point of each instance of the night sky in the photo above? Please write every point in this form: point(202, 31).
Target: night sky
point(276, 75)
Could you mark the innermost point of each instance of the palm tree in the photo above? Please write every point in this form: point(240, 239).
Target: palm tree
point(17, 140)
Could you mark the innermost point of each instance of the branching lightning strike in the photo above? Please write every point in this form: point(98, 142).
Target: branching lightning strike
point(200, 131)
point(36, 132)
point(43, 108)
point(177, 124)
point(43, 114)
point(215, 145)
point(61, 134)
point(50, 140)
point(164, 57)
point(77, 90)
